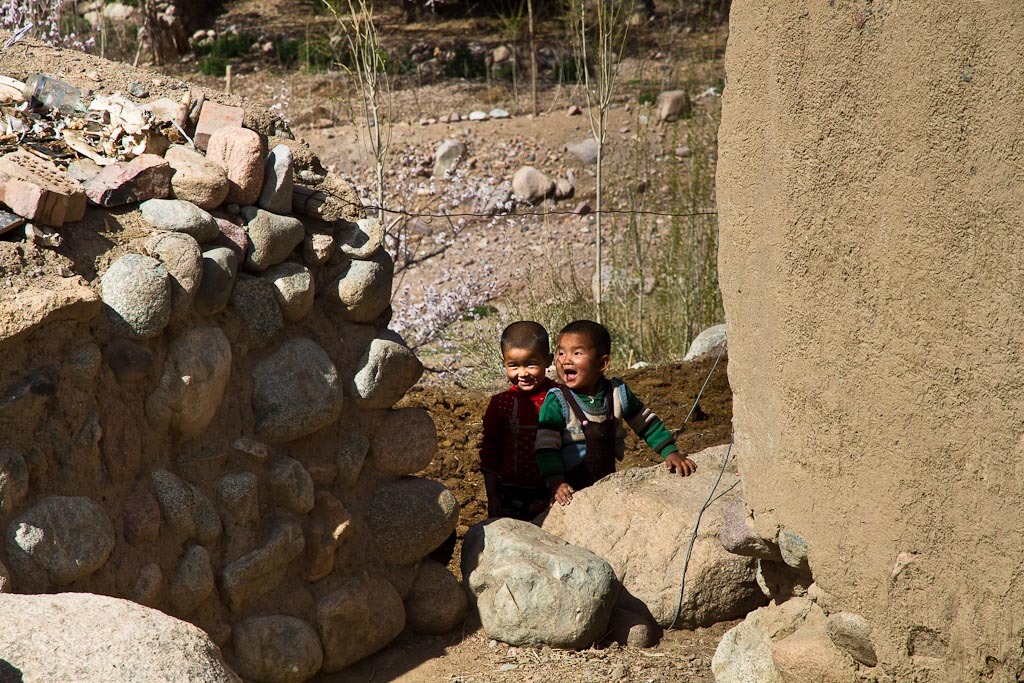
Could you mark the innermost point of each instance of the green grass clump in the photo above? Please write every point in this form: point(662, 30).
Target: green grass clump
point(213, 66)
point(227, 46)
point(465, 65)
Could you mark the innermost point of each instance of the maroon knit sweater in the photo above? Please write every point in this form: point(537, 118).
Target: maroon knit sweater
point(510, 435)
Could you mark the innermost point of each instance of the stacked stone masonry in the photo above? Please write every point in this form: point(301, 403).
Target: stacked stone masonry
point(199, 416)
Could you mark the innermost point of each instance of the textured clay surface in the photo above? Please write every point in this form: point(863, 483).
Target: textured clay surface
point(869, 188)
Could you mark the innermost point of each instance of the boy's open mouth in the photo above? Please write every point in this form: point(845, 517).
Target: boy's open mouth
point(570, 375)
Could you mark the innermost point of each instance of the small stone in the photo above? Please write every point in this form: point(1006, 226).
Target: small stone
point(478, 115)
point(147, 176)
point(254, 301)
point(852, 634)
point(317, 248)
point(261, 570)
point(295, 391)
point(573, 110)
point(277, 648)
point(176, 215)
point(234, 237)
point(405, 442)
point(146, 589)
point(273, 237)
point(136, 292)
point(58, 541)
point(83, 363)
point(181, 257)
point(673, 104)
point(585, 151)
point(447, 157)
point(384, 372)
point(437, 603)
point(362, 291)
point(329, 525)
point(530, 185)
point(240, 152)
point(192, 583)
point(141, 518)
point(278, 181)
point(291, 486)
point(220, 268)
point(83, 170)
point(185, 508)
point(293, 288)
point(794, 550)
point(368, 605)
point(259, 451)
point(498, 114)
point(193, 382)
point(361, 240)
point(239, 496)
point(564, 189)
point(411, 517)
point(196, 179)
point(13, 481)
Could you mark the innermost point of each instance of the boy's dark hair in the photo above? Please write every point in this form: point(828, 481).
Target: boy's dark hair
point(595, 332)
point(526, 334)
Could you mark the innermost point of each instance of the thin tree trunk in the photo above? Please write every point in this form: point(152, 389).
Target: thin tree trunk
point(533, 59)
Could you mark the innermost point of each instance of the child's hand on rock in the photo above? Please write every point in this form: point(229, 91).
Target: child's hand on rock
point(679, 463)
point(563, 493)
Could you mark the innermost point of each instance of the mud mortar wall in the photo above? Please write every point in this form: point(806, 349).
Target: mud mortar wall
point(872, 268)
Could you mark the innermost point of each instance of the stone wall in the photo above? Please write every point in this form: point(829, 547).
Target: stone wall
point(196, 409)
point(872, 269)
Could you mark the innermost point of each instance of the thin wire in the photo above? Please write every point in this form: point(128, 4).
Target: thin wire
point(711, 494)
point(693, 536)
point(473, 214)
point(701, 392)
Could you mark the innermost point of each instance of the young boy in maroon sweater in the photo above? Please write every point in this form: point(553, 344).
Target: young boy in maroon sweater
point(508, 461)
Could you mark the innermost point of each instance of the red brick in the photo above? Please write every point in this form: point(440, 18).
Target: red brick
point(214, 116)
point(147, 176)
point(39, 191)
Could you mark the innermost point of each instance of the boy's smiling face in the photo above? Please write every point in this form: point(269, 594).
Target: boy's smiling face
point(525, 368)
point(579, 364)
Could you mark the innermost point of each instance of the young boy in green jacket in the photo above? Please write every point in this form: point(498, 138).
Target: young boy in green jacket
point(580, 433)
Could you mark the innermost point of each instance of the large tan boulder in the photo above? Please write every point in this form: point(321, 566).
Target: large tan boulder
point(641, 521)
point(113, 640)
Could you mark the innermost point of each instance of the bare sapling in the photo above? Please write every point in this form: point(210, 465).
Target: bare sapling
point(599, 29)
point(368, 69)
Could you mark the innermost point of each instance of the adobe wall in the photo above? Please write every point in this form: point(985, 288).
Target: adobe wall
point(872, 268)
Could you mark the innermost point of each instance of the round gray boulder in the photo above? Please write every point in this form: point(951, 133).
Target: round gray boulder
point(196, 179)
point(192, 385)
point(277, 649)
point(293, 289)
point(192, 583)
point(273, 237)
point(531, 587)
point(58, 540)
point(363, 290)
point(530, 185)
point(405, 441)
point(411, 517)
point(437, 603)
point(220, 268)
point(180, 255)
point(295, 391)
point(137, 295)
point(176, 215)
point(238, 495)
point(278, 181)
point(385, 371)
